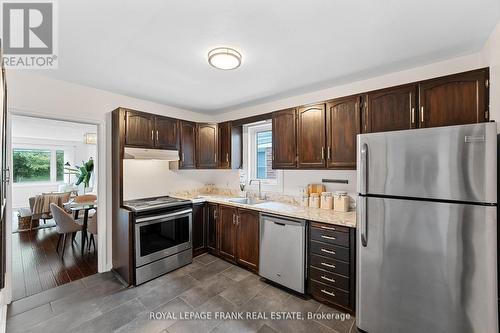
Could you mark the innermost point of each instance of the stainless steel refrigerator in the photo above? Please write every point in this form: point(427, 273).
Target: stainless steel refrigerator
point(427, 230)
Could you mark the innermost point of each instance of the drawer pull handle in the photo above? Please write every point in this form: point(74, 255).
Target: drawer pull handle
point(328, 237)
point(328, 228)
point(327, 279)
point(328, 265)
point(327, 292)
point(327, 251)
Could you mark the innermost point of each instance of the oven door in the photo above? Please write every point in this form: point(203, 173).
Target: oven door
point(160, 236)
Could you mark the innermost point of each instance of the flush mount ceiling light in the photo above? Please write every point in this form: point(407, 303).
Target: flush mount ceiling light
point(224, 58)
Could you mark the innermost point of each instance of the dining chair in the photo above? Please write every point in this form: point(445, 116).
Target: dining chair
point(92, 228)
point(65, 225)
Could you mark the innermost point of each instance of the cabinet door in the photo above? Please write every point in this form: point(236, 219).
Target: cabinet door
point(285, 139)
point(390, 109)
point(199, 229)
point(166, 133)
point(227, 232)
point(454, 100)
point(225, 145)
point(188, 139)
point(342, 127)
point(139, 129)
point(206, 146)
point(311, 136)
point(212, 230)
point(4, 175)
point(247, 239)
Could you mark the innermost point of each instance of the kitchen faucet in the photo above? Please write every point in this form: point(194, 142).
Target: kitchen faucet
point(260, 186)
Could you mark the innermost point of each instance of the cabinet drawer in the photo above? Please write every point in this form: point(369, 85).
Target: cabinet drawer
point(330, 251)
point(330, 294)
point(330, 265)
point(331, 279)
point(330, 227)
point(330, 237)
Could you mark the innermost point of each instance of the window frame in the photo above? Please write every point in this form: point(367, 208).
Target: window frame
point(250, 157)
point(53, 149)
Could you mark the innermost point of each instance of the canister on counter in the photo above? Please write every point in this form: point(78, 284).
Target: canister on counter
point(326, 200)
point(304, 200)
point(341, 201)
point(314, 200)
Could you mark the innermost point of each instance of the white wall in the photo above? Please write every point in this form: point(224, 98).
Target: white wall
point(490, 56)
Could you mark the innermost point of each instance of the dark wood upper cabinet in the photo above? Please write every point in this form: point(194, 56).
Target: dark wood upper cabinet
point(230, 145)
point(343, 124)
point(167, 136)
point(212, 229)
point(390, 109)
point(225, 145)
point(454, 100)
point(206, 146)
point(199, 228)
point(285, 139)
point(227, 233)
point(139, 130)
point(311, 136)
point(247, 239)
point(187, 145)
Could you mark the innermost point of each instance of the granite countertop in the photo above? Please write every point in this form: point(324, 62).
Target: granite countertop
point(347, 219)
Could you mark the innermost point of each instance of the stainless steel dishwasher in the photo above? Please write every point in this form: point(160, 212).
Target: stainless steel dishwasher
point(282, 251)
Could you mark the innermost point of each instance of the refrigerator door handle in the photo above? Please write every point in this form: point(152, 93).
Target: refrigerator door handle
point(363, 221)
point(364, 168)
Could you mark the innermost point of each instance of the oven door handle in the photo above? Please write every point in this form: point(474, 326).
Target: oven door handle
point(157, 218)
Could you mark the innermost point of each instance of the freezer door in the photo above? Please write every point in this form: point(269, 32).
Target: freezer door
point(426, 267)
point(448, 163)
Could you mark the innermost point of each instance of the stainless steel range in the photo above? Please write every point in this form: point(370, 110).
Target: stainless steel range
point(162, 235)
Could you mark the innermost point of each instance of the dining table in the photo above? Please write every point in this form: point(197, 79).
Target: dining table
point(76, 208)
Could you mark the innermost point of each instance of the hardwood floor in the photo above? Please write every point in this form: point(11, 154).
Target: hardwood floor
point(36, 266)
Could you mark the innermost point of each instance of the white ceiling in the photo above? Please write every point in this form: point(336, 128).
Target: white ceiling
point(157, 50)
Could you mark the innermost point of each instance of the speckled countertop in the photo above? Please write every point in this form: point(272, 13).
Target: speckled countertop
point(347, 219)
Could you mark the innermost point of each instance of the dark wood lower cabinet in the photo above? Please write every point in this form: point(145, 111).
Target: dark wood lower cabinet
point(227, 232)
point(212, 244)
point(247, 239)
point(199, 229)
point(332, 265)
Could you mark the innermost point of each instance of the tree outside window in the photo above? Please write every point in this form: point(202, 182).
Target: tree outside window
point(34, 165)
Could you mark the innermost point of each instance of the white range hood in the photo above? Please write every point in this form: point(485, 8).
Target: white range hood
point(151, 154)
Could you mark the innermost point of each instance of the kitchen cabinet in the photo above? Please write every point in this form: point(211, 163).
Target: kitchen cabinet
point(144, 130)
point(390, 109)
point(227, 232)
point(332, 265)
point(342, 126)
point(187, 145)
point(4, 173)
point(139, 129)
point(206, 145)
point(311, 136)
point(212, 229)
point(454, 99)
point(239, 236)
point(285, 139)
point(167, 136)
point(247, 239)
point(199, 229)
point(230, 146)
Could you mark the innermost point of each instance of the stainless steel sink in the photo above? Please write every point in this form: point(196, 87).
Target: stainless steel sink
point(247, 201)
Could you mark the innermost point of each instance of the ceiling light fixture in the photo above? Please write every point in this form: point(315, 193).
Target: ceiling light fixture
point(224, 58)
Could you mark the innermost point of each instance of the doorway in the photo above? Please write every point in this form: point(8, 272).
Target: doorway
point(54, 163)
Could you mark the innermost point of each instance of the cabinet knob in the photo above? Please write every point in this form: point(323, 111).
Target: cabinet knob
point(323, 153)
point(422, 113)
point(156, 135)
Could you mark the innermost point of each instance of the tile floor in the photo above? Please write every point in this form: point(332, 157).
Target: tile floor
point(99, 303)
